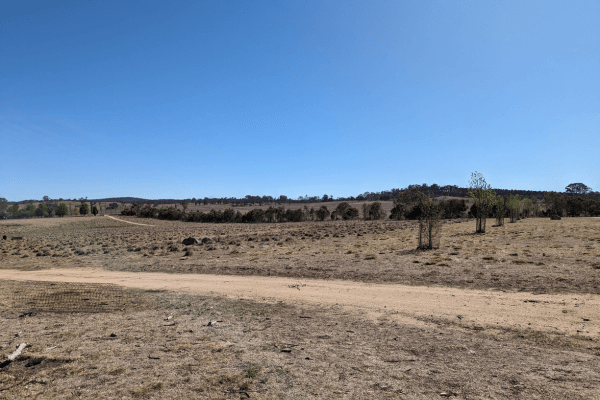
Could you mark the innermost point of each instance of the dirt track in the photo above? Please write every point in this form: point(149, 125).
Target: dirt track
point(127, 222)
point(569, 314)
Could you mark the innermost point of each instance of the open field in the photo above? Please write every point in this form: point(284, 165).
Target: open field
point(536, 255)
point(337, 322)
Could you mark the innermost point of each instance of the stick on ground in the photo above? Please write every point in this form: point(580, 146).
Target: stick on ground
point(14, 355)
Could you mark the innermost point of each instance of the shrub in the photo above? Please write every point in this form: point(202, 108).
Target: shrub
point(322, 213)
point(350, 213)
point(341, 208)
point(373, 211)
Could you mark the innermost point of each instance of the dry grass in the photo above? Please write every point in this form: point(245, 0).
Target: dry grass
point(536, 255)
point(275, 351)
point(249, 350)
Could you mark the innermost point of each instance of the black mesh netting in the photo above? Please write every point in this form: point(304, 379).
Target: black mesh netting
point(38, 296)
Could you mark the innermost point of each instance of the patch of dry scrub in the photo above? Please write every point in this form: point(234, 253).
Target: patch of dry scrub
point(536, 255)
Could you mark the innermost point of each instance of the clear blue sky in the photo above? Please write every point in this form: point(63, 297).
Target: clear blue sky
point(181, 99)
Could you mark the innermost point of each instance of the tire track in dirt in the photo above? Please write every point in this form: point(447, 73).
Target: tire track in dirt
point(572, 314)
point(127, 222)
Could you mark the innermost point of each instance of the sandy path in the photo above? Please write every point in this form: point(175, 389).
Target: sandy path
point(554, 313)
point(127, 222)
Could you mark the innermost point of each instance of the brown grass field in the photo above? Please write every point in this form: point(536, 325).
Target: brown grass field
point(88, 340)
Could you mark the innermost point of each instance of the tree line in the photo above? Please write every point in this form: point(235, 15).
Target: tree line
point(47, 208)
point(577, 200)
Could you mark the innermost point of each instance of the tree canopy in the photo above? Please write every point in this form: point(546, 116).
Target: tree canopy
point(577, 188)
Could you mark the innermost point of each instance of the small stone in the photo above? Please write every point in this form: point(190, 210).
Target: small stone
point(113, 335)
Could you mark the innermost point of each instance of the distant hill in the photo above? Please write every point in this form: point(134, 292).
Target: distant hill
point(385, 195)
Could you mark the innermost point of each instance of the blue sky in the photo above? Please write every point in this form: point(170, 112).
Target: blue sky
point(227, 98)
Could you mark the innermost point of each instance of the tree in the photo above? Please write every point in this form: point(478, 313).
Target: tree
point(84, 209)
point(184, 205)
point(483, 197)
point(94, 210)
point(62, 210)
point(575, 206)
point(513, 203)
point(528, 206)
point(555, 203)
point(42, 210)
point(429, 227)
point(46, 199)
point(577, 188)
point(3, 206)
point(14, 210)
point(499, 210)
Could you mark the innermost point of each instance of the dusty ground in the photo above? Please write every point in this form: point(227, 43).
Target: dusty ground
point(533, 255)
point(164, 345)
point(532, 332)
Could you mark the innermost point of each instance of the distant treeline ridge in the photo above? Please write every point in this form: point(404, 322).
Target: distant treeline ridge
point(385, 195)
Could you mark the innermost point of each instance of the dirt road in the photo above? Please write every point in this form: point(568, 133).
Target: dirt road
point(569, 314)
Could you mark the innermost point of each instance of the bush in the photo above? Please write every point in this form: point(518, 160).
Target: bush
point(322, 213)
point(350, 213)
point(452, 208)
point(341, 208)
point(373, 211)
point(398, 210)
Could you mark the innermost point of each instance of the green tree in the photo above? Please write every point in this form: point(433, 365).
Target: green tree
point(483, 197)
point(29, 211)
point(429, 226)
point(577, 188)
point(84, 209)
point(555, 203)
point(62, 210)
point(528, 206)
point(499, 210)
point(514, 206)
point(94, 210)
point(42, 210)
point(3, 206)
point(14, 210)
